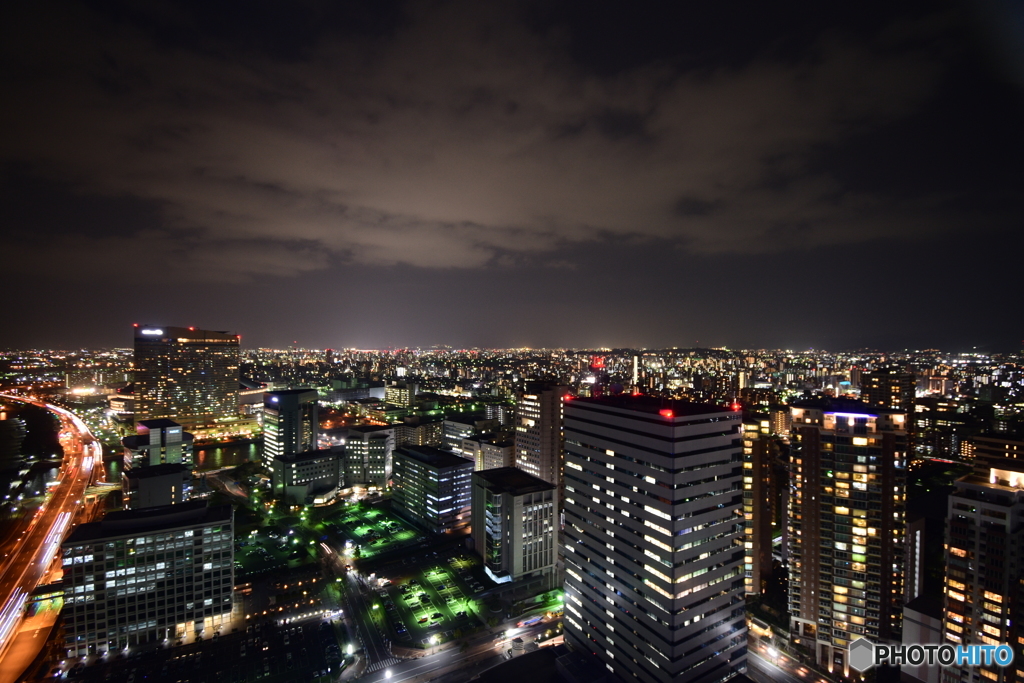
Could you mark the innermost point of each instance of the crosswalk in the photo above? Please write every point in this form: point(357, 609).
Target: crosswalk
point(377, 666)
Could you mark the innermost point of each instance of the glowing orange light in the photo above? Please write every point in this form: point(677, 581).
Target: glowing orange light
point(666, 413)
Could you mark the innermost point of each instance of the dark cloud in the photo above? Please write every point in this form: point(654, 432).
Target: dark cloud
point(287, 141)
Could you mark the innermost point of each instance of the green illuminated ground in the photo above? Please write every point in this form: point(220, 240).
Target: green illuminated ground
point(447, 594)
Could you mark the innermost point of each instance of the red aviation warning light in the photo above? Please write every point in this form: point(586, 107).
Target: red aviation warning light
point(736, 406)
point(667, 412)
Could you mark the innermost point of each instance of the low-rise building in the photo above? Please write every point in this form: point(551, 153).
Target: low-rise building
point(312, 477)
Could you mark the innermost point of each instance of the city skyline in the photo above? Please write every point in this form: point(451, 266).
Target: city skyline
point(514, 174)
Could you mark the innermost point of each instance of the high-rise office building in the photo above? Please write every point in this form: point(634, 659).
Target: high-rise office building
point(368, 455)
point(291, 423)
point(142, 576)
point(187, 375)
point(401, 394)
point(847, 526)
point(432, 487)
point(515, 517)
point(538, 435)
point(653, 538)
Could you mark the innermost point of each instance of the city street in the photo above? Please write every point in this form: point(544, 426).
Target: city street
point(27, 560)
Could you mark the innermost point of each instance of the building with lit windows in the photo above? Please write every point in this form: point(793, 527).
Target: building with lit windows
point(291, 423)
point(653, 538)
point(146, 576)
point(401, 394)
point(847, 527)
point(891, 388)
point(156, 485)
point(984, 588)
point(515, 516)
point(538, 431)
point(187, 375)
point(432, 487)
point(757, 505)
point(158, 442)
point(496, 453)
point(368, 456)
point(313, 477)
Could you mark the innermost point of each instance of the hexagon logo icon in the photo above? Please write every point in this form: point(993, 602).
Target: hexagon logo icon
point(862, 654)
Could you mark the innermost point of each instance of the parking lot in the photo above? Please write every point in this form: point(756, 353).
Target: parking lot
point(372, 531)
point(435, 599)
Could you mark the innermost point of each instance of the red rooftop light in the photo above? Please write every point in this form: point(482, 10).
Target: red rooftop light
point(666, 413)
point(736, 406)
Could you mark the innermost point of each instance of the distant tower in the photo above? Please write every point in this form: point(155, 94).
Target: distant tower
point(186, 375)
point(291, 423)
point(538, 436)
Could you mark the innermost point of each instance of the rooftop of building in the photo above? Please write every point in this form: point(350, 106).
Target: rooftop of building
point(162, 333)
point(435, 457)
point(156, 471)
point(290, 392)
point(843, 405)
point(668, 408)
point(513, 480)
point(147, 520)
point(537, 667)
point(306, 456)
point(158, 423)
point(369, 429)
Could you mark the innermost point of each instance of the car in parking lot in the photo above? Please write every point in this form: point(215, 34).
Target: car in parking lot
point(437, 615)
point(460, 614)
point(422, 621)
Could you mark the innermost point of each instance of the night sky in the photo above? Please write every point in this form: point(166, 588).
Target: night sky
point(497, 174)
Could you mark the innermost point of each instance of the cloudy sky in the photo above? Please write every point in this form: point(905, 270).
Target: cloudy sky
point(514, 173)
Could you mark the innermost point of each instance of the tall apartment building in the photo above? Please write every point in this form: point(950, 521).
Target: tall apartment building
point(891, 388)
point(187, 375)
point(984, 591)
point(847, 526)
point(142, 576)
point(291, 423)
point(757, 505)
point(432, 487)
point(515, 515)
point(653, 538)
point(538, 431)
point(368, 455)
